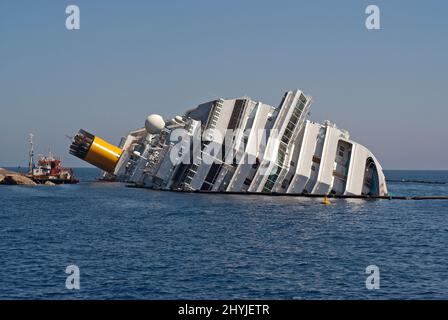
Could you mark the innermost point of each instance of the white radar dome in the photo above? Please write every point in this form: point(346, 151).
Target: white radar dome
point(154, 124)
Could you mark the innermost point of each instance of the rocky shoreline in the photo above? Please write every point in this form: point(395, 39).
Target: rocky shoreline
point(14, 178)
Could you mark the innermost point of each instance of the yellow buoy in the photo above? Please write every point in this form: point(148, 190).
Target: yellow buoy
point(325, 200)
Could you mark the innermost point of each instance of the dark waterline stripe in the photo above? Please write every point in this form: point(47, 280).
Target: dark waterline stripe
point(302, 195)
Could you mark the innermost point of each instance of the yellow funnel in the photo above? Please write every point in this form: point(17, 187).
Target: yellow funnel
point(95, 151)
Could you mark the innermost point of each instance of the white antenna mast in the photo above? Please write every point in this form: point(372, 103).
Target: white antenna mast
point(31, 154)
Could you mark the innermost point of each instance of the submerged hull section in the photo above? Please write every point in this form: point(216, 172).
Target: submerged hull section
point(240, 145)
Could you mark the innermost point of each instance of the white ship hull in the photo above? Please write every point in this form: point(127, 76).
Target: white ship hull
point(240, 145)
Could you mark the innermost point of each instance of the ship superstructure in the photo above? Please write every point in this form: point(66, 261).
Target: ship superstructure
point(239, 145)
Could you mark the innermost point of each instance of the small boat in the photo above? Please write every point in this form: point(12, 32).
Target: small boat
point(49, 169)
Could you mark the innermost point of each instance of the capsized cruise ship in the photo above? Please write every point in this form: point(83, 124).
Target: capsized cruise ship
point(239, 145)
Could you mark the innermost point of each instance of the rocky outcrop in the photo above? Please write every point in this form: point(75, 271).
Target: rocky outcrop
point(13, 178)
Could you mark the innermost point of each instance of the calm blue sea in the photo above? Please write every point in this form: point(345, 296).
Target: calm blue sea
point(143, 244)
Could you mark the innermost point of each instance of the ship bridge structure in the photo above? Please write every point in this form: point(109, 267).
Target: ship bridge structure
point(239, 145)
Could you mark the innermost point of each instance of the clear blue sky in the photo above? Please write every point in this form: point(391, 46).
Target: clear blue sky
point(134, 58)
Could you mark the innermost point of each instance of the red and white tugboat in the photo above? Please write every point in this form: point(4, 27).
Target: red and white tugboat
point(49, 169)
